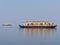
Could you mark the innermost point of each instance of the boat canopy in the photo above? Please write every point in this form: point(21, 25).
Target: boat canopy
point(38, 23)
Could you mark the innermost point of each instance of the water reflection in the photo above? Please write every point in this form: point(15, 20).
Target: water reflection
point(39, 31)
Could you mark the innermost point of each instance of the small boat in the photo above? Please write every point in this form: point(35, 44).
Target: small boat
point(38, 24)
point(7, 24)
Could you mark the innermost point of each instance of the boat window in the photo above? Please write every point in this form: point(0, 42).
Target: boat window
point(45, 22)
point(32, 24)
point(49, 23)
point(41, 23)
point(28, 24)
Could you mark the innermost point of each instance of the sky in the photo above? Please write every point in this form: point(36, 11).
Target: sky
point(22, 10)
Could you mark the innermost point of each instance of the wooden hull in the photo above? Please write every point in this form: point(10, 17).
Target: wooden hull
point(37, 26)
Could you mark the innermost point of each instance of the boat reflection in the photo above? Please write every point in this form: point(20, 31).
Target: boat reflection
point(39, 31)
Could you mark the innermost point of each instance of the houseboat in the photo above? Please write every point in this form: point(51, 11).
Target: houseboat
point(38, 24)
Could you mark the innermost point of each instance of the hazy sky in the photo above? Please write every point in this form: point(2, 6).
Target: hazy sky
point(13, 10)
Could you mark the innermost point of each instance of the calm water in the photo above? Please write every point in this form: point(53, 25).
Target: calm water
point(29, 36)
point(19, 11)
